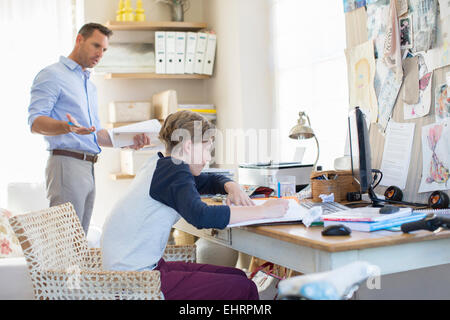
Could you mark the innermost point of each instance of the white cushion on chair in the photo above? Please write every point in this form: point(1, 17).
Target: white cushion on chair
point(15, 281)
point(94, 236)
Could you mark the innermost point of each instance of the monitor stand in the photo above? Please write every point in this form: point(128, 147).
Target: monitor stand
point(376, 202)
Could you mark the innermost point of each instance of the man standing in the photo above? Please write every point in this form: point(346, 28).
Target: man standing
point(64, 108)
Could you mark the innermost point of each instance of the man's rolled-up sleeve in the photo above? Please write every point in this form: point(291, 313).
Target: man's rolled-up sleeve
point(44, 94)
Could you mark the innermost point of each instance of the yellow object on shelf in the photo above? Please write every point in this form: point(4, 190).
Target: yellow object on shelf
point(120, 11)
point(212, 111)
point(140, 13)
point(129, 12)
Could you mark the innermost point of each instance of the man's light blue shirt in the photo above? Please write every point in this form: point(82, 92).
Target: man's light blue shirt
point(63, 88)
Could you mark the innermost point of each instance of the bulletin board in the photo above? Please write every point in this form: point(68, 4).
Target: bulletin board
point(356, 34)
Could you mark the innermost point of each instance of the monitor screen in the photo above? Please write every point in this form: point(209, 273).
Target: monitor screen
point(360, 149)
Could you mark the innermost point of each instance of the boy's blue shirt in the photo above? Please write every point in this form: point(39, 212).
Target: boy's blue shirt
point(175, 186)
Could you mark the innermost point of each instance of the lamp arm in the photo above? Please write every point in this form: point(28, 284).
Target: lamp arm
point(309, 122)
point(318, 152)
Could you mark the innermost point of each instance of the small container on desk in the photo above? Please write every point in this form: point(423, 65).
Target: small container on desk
point(338, 182)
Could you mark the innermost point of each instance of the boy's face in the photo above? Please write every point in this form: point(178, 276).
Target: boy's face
point(200, 155)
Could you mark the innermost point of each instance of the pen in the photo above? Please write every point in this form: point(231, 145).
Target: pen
point(73, 124)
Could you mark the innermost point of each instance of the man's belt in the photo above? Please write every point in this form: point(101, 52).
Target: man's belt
point(76, 155)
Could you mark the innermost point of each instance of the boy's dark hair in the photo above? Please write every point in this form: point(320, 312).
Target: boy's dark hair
point(87, 30)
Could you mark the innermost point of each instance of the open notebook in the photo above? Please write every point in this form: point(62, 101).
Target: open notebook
point(294, 213)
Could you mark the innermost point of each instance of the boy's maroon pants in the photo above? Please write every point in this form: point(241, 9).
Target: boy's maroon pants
point(195, 281)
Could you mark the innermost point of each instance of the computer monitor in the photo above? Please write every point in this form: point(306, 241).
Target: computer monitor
point(361, 157)
point(360, 149)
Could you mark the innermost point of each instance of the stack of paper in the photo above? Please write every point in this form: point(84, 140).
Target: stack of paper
point(123, 136)
point(369, 219)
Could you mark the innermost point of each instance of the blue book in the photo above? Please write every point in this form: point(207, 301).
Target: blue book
point(373, 226)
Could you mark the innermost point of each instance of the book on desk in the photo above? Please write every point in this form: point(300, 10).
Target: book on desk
point(378, 225)
point(369, 219)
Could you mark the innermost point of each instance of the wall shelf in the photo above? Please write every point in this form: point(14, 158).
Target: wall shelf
point(109, 76)
point(156, 26)
point(121, 176)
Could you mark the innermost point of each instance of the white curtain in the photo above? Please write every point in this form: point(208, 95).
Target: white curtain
point(311, 75)
point(33, 33)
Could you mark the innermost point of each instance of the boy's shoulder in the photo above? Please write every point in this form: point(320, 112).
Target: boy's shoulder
point(168, 167)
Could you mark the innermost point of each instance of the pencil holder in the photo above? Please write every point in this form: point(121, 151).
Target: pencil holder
point(338, 182)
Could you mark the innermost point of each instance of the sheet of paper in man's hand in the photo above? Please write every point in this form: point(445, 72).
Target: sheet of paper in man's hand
point(123, 136)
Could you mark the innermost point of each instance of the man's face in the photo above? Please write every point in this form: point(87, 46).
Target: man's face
point(91, 49)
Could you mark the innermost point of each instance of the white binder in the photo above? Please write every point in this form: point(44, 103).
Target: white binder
point(160, 52)
point(180, 51)
point(210, 54)
point(170, 52)
point(200, 52)
point(191, 45)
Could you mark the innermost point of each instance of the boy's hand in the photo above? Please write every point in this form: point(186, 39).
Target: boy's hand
point(275, 208)
point(236, 195)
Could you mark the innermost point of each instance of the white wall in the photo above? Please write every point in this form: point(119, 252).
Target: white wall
point(241, 87)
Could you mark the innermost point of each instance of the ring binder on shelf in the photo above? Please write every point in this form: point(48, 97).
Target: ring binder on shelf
point(191, 46)
point(180, 52)
point(208, 64)
point(200, 52)
point(160, 52)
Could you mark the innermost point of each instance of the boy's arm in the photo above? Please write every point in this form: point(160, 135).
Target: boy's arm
point(211, 183)
point(178, 191)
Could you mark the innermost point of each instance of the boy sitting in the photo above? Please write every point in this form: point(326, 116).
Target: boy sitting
point(165, 189)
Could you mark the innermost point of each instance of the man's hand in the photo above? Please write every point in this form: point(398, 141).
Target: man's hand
point(140, 140)
point(75, 127)
point(236, 195)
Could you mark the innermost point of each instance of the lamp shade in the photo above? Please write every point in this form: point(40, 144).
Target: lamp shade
point(301, 130)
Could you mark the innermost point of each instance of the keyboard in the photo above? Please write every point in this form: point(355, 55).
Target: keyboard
point(327, 207)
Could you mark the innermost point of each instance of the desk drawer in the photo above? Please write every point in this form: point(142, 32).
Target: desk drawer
point(220, 236)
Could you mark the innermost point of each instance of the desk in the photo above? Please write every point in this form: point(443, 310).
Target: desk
point(306, 250)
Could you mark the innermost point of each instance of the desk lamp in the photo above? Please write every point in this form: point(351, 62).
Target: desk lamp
point(303, 131)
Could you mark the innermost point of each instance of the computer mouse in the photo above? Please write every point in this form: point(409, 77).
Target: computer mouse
point(389, 209)
point(336, 230)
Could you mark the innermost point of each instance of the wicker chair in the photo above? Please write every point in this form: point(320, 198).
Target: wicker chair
point(63, 267)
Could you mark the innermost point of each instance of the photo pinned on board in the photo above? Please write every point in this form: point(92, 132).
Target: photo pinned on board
point(406, 32)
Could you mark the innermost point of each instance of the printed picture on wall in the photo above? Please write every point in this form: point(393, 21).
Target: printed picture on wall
point(350, 5)
point(422, 108)
point(436, 157)
point(361, 71)
point(442, 103)
point(424, 18)
point(406, 32)
point(376, 26)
